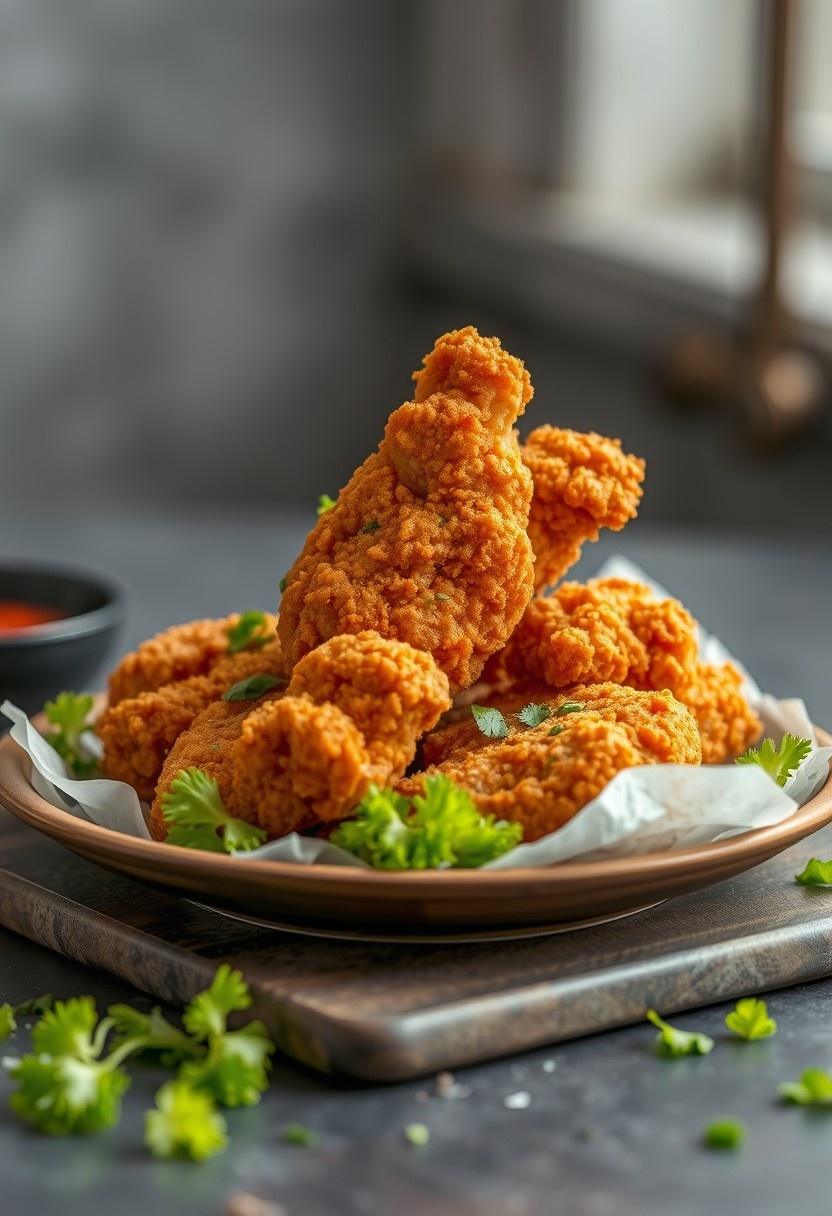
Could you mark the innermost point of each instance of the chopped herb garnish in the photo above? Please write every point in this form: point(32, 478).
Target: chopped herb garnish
point(779, 762)
point(325, 503)
point(673, 1043)
point(533, 714)
point(556, 730)
point(724, 1134)
point(490, 721)
point(297, 1133)
point(249, 633)
point(440, 828)
point(252, 688)
point(750, 1020)
point(235, 1068)
point(8, 1025)
point(417, 1134)
point(35, 1006)
point(816, 874)
point(440, 597)
point(185, 1124)
point(372, 525)
point(69, 715)
point(813, 1089)
point(198, 818)
point(570, 707)
point(282, 585)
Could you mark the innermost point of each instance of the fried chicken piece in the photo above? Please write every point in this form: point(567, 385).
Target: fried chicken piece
point(351, 715)
point(727, 723)
point(540, 779)
point(427, 543)
point(582, 483)
point(138, 732)
point(606, 629)
point(182, 651)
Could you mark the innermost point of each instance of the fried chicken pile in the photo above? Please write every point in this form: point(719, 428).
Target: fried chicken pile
point(425, 576)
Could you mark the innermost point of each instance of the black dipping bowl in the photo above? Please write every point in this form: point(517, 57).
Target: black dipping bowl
point(41, 661)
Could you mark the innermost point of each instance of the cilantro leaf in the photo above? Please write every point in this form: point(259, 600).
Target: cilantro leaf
point(671, 1042)
point(490, 721)
point(249, 633)
point(816, 874)
point(296, 1133)
point(196, 812)
point(235, 1068)
point(184, 1124)
point(417, 1134)
point(570, 707)
point(252, 688)
point(206, 1014)
point(68, 1029)
point(69, 715)
point(440, 828)
point(533, 714)
point(724, 1134)
point(779, 762)
point(325, 503)
point(750, 1020)
point(8, 1025)
point(813, 1089)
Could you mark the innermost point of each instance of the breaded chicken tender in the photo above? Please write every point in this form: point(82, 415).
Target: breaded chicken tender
point(427, 543)
point(727, 723)
point(177, 653)
point(606, 629)
point(138, 732)
point(582, 483)
point(351, 715)
point(541, 779)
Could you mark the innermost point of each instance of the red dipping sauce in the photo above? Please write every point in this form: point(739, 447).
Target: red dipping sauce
point(19, 614)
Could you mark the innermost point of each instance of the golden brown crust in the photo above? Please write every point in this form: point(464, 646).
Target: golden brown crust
point(427, 543)
point(727, 723)
point(582, 483)
point(138, 732)
point(177, 653)
point(542, 780)
point(351, 715)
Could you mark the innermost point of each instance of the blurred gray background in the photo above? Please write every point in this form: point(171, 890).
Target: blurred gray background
point(229, 230)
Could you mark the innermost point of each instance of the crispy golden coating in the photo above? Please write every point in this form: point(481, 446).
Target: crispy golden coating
point(182, 651)
point(138, 732)
point(582, 483)
point(727, 723)
point(427, 542)
point(351, 715)
point(542, 780)
point(606, 629)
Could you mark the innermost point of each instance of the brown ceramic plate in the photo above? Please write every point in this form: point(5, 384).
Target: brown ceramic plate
point(450, 905)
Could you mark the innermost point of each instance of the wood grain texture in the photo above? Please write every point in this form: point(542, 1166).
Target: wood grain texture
point(387, 1012)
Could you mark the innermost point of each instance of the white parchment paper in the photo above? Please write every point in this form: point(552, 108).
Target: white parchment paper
point(642, 810)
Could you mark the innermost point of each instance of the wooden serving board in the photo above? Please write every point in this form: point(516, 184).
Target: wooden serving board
point(386, 1012)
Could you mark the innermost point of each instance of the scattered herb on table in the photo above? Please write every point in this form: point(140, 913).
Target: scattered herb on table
point(417, 1134)
point(813, 1089)
point(724, 1134)
point(673, 1043)
point(252, 688)
point(750, 1019)
point(325, 503)
point(184, 1124)
point(8, 1024)
point(490, 721)
point(534, 714)
point(35, 1006)
point(68, 715)
point(198, 818)
point(298, 1134)
point(250, 632)
point(816, 874)
point(441, 827)
point(152, 1034)
point(779, 762)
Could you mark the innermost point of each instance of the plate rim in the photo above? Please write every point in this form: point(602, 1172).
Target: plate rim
point(18, 794)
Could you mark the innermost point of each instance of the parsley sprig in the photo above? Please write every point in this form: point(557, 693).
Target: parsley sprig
point(198, 818)
point(779, 762)
point(251, 632)
point(68, 716)
point(673, 1043)
point(185, 1124)
point(440, 828)
point(749, 1019)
